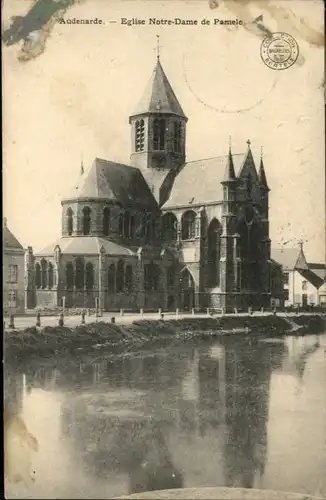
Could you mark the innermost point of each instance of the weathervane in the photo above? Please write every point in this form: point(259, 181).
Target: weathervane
point(248, 142)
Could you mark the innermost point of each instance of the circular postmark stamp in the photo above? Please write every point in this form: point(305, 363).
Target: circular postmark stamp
point(279, 51)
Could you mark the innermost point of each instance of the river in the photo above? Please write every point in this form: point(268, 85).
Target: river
point(229, 412)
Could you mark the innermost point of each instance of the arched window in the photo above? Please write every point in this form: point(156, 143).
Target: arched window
point(159, 135)
point(69, 275)
point(38, 275)
point(126, 225)
point(86, 220)
point(140, 135)
point(70, 221)
point(106, 221)
point(170, 275)
point(111, 279)
point(80, 274)
point(177, 135)
point(188, 223)
point(44, 273)
point(152, 274)
point(169, 227)
point(50, 275)
point(150, 226)
point(128, 278)
point(89, 276)
point(132, 226)
point(120, 276)
point(120, 224)
point(213, 253)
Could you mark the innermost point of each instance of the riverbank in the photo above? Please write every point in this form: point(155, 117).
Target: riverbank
point(53, 341)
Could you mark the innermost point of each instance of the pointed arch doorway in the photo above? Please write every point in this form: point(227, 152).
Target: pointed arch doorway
point(187, 290)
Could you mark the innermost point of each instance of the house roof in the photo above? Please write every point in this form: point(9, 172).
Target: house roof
point(312, 277)
point(116, 182)
point(159, 96)
point(189, 186)
point(9, 240)
point(287, 257)
point(86, 245)
point(318, 269)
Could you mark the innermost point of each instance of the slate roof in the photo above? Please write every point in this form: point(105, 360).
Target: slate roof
point(86, 245)
point(116, 182)
point(199, 182)
point(287, 257)
point(318, 269)
point(9, 240)
point(159, 96)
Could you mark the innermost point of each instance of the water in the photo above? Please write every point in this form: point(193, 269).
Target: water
point(223, 413)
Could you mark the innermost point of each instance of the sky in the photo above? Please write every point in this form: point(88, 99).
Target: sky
point(73, 101)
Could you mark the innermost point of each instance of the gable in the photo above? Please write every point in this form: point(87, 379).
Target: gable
point(248, 169)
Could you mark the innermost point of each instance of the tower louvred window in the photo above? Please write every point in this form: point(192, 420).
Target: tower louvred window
point(177, 137)
point(159, 135)
point(140, 135)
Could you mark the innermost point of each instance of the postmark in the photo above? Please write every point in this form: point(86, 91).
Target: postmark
point(279, 51)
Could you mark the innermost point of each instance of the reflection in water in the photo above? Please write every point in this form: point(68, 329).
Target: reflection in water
point(186, 417)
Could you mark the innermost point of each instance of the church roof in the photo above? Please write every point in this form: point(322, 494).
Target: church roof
point(9, 240)
point(190, 188)
point(86, 245)
point(159, 96)
point(287, 257)
point(116, 182)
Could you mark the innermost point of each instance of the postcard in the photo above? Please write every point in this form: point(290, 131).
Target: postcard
point(164, 194)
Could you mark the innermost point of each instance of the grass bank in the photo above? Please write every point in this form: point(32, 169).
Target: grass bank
point(57, 341)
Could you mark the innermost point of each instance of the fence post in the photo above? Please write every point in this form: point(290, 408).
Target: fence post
point(121, 312)
point(38, 319)
point(141, 313)
point(112, 319)
point(193, 311)
point(12, 321)
point(208, 311)
point(83, 318)
point(61, 319)
point(177, 312)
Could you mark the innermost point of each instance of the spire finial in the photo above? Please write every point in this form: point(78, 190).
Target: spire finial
point(300, 242)
point(249, 143)
point(261, 152)
point(230, 143)
point(158, 47)
point(81, 164)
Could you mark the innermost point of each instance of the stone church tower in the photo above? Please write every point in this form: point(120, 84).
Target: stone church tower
point(158, 131)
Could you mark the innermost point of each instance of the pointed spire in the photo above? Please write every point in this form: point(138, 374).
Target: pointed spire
point(159, 96)
point(229, 174)
point(262, 173)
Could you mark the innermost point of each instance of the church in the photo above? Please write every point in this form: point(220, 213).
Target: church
point(161, 232)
